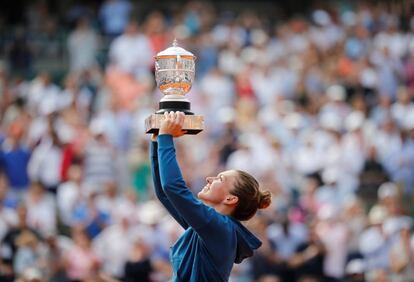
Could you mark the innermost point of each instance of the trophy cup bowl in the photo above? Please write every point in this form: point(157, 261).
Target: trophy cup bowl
point(174, 74)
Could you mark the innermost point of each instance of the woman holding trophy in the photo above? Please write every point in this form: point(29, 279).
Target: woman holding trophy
point(214, 238)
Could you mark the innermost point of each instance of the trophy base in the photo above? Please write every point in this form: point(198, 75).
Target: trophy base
point(193, 124)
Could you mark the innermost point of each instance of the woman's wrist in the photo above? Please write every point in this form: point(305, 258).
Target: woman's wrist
point(165, 134)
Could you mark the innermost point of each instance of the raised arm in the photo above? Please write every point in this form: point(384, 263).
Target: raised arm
point(158, 188)
point(191, 209)
point(212, 227)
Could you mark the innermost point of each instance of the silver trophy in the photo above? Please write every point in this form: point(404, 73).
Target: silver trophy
point(174, 74)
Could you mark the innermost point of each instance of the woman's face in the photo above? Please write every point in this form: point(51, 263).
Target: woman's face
point(218, 187)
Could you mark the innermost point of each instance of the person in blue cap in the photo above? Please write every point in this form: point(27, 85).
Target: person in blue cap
point(214, 239)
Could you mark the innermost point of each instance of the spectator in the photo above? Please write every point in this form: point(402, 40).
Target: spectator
point(88, 215)
point(69, 194)
point(113, 253)
point(114, 15)
point(99, 156)
point(141, 171)
point(334, 236)
point(309, 257)
point(372, 243)
point(8, 216)
point(41, 210)
point(139, 265)
point(45, 164)
point(57, 246)
point(83, 45)
point(42, 95)
point(401, 252)
point(80, 260)
point(402, 162)
point(137, 46)
point(402, 108)
point(266, 262)
point(9, 242)
point(14, 159)
point(109, 199)
point(355, 270)
point(30, 254)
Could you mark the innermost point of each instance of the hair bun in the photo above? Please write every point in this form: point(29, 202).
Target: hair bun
point(265, 198)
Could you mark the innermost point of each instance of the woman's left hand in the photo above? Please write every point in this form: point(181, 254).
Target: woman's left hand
point(173, 124)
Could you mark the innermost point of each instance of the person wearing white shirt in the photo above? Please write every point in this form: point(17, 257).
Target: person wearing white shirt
point(69, 193)
point(45, 163)
point(43, 95)
point(403, 107)
point(401, 164)
point(334, 235)
point(8, 219)
point(82, 46)
point(41, 210)
point(108, 200)
point(219, 89)
point(132, 52)
point(387, 141)
point(114, 243)
point(391, 38)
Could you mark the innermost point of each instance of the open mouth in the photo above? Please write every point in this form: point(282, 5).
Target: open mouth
point(206, 188)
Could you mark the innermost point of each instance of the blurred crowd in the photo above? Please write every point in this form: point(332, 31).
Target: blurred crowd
point(319, 107)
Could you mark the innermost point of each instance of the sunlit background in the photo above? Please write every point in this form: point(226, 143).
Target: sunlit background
point(314, 98)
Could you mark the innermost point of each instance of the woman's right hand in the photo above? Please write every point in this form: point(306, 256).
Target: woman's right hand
point(173, 124)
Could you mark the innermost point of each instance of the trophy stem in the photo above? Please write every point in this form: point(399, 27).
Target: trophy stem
point(173, 106)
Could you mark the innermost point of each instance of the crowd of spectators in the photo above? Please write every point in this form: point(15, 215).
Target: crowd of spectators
point(319, 107)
